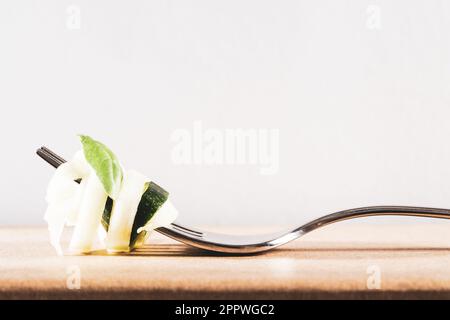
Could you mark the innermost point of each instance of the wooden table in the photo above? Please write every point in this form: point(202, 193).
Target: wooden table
point(346, 260)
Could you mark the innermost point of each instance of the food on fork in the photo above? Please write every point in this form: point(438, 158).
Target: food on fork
point(94, 194)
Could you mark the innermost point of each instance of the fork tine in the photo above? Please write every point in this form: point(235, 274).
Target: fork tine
point(53, 159)
point(187, 229)
point(178, 233)
point(53, 154)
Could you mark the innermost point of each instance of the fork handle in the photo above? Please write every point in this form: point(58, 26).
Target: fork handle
point(348, 214)
point(408, 211)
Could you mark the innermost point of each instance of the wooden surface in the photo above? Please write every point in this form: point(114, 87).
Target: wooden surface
point(411, 261)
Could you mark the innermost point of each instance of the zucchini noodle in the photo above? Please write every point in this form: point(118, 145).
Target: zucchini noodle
point(83, 206)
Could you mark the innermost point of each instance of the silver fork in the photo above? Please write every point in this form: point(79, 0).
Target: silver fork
point(250, 244)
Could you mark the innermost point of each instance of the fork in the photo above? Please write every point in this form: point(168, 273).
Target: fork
point(250, 244)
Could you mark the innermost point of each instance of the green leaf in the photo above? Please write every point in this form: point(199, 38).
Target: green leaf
point(105, 164)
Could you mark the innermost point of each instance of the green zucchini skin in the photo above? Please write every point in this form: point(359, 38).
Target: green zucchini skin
point(152, 199)
point(107, 213)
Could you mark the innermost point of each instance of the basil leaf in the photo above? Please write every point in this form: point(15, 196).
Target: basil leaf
point(105, 164)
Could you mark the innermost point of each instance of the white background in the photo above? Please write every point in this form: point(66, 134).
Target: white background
point(363, 112)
